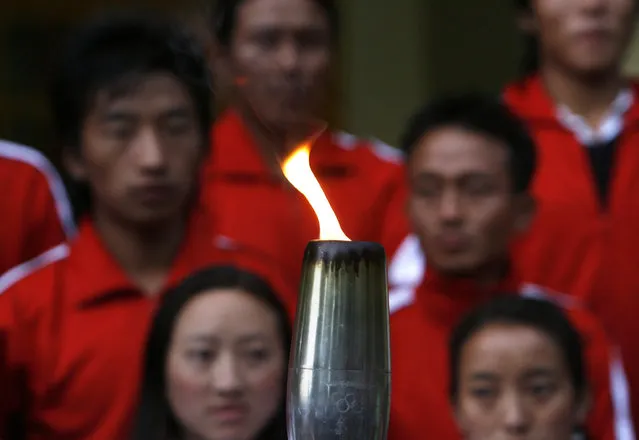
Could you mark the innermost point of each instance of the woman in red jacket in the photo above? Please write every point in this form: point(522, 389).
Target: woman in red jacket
point(517, 370)
point(584, 117)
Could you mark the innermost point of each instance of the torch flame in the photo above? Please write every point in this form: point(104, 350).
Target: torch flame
point(297, 169)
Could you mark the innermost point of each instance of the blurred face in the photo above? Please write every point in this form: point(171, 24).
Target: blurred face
point(281, 52)
point(141, 147)
point(586, 36)
point(461, 203)
point(514, 384)
point(226, 366)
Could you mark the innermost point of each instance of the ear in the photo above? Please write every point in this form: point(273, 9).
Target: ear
point(526, 22)
point(221, 64)
point(525, 209)
point(74, 164)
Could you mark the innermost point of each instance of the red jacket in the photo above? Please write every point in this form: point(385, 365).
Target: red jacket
point(364, 182)
point(36, 214)
point(420, 405)
point(72, 334)
point(576, 244)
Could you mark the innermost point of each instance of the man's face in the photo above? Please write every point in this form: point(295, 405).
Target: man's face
point(586, 36)
point(280, 55)
point(141, 147)
point(461, 203)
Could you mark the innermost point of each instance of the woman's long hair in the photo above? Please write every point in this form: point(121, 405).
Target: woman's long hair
point(155, 419)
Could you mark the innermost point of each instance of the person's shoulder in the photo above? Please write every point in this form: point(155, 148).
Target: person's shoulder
point(371, 149)
point(27, 168)
point(32, 284)
point(26, 161)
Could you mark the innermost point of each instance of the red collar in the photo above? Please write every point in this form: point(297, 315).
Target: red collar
point(94, 275)
point(530, 100)
point(447, 299)
point(235, 150)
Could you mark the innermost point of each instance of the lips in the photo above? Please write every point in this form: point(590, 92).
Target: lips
point(231, 413)
point(452, 242)
point(154, 193)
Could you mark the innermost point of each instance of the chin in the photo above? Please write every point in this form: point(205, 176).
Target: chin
point(465, 266)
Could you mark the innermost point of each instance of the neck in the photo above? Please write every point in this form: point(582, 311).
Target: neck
point(587, 96)
point(145, 252)
point(275, 143)
point(485, 277)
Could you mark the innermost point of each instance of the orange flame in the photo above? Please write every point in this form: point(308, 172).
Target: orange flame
point(297, 170)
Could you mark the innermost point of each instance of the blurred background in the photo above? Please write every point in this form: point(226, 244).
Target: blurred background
point(393, 55)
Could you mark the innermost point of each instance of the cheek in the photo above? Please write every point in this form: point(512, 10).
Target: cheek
point(420, 215)
point(184, 388)
point(266, 386)
point(474, 422)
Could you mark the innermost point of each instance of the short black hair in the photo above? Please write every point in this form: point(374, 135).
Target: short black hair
point(115, 46)
point(224, 16)
point(540, 314)
point(106, 52)
point(155, 419)
point(481, 114)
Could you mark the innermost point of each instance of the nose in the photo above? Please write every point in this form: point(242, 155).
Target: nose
point(227, 375)
point(288, 56)
point(515, 416)
point(149, 153)
point(450, 206)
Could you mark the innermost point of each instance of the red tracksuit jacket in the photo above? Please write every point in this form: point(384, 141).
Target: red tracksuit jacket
point(364, 182)
point(36, 214)
point(420, 406)
point(585, 237)
point(73, 332)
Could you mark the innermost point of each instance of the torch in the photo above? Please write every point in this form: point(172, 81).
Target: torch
point(339, 372)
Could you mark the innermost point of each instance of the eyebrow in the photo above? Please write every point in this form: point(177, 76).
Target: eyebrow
point(537, 372)
point(483, 376)
point(179, 112)
point(203, 337)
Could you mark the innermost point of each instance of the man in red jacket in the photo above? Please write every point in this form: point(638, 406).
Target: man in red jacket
point(34, 204)
point(584, 117)
point(278, 54)
point(134, 110)
point(470, 163)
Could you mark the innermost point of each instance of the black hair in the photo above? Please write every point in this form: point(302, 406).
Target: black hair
point(481, 114)
point(530, 60)
point(224, 16)
point(108, 51)
point(154, 419)
point(540, 314)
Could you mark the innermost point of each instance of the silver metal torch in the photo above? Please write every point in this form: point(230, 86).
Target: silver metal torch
point(339, 375)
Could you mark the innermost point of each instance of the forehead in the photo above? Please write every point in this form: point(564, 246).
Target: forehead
point(453, 150)
point(280, 13)
point(143, 93)
point(226, 310)
point(514, 348)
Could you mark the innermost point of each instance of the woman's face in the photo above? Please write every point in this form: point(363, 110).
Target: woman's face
point(514, 384)
point(226, 366)
point(584, 36)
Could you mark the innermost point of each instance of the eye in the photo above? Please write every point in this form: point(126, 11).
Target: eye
point(478, 187)
point(201, 355)
point(541, 390)
point(120, 131)
point(257, 356)
point(177, 125)
point(483, 392)
point(266, 39)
